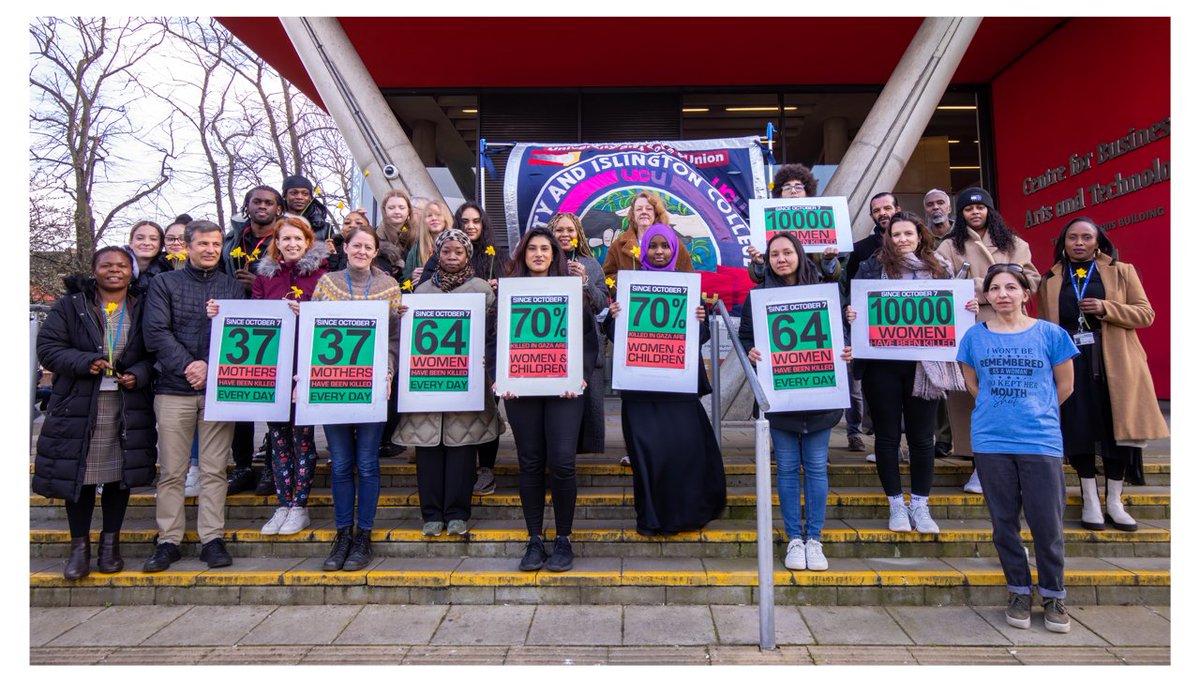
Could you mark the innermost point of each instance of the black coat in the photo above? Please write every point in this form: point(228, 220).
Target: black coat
point(796, 422)
point(69, 340)
point(176, 325)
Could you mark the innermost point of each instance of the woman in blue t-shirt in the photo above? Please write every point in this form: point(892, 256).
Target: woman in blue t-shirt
point(1019, 370)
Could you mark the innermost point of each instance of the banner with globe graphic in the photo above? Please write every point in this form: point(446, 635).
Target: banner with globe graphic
point(705, 184)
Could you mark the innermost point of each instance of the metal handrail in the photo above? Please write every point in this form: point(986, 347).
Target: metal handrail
point(762, 483)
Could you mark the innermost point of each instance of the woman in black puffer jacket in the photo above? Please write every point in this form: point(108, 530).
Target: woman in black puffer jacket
point(100, 426)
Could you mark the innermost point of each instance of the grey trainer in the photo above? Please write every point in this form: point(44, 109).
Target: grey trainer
point(1055, 615)
point(1017, 614)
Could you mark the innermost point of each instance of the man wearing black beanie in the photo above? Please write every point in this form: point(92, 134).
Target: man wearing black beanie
point(298, 196)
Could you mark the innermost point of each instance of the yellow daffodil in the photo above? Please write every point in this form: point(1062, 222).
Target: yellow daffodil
point(407, 286)
point(181, 256)
point(110, 308)
point(254, 256)
point(317, 189)
point(237, 252)
point(574, 243)
point(366, 172)
point(610, 282)
point(490, 250)
point(636, 251)
point(341, 204)
point(1081, 273)
point(297, 292)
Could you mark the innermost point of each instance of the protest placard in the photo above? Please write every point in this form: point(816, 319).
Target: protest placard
point(250, 362)
point(656, 345)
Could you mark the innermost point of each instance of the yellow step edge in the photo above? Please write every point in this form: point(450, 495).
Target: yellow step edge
point(828, 535)
point(639, 578)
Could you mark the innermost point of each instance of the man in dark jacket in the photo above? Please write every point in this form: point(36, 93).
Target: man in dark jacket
point(177, 330)
point(246, 244)
point(298, 197)
point(883, 207)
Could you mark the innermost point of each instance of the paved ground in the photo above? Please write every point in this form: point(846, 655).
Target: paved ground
point(587, 635)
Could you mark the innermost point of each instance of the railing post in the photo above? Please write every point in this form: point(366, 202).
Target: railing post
point(714, 343)
point(766, 535)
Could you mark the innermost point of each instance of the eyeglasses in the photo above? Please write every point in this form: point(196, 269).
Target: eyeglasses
point(1005, 267)
point(175, 240)
point(792, 186)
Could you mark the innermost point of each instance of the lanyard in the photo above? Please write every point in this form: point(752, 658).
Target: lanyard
point(366, 292)
point(1079, 289)
point(111, 338)
point(257, 246)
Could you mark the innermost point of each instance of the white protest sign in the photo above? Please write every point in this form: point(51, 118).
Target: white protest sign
point(818, 222)
point(657, 341)
point(250, 362)
point(910, 319)
point(539, 336)
point(441, 363)
point(798, 330)
point(342, 362)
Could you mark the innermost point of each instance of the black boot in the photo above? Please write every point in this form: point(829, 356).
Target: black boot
point(241, 480)
point(360, 552)
point(341, 547)
point(109, 559)
point(81, 556)
point(266, 482)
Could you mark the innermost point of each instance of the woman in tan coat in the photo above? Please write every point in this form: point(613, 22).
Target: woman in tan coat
point(624, 253)
point(981, 239)
point(1100, 301)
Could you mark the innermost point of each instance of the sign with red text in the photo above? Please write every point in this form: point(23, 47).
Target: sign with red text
point(798, 330)
point(250, 362)
point(910, 319)
point(441, 363)
point(539, 336)
point(342, 362)
point(817, 222)
point(657, 341)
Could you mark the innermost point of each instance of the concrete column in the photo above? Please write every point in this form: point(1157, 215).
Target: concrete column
point(424, 140)
point(353, 99)
point(892, 129)
point(836, 136)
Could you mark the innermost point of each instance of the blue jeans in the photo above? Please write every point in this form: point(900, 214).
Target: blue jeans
point(355, 447)
point(791, 451)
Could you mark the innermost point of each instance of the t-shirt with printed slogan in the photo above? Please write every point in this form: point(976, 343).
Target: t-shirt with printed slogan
point(1016, 410)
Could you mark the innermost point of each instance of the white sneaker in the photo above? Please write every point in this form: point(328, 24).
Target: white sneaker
point(271, 527)
point(898, 521)
point(918, 514)
point(973, 485)
point(191, 484)
point(297, 520)
point(795, 555)
point(871, 458)
point(814, 557)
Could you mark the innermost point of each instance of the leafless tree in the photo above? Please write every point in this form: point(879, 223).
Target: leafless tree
point(51, 238)
point(83, 135)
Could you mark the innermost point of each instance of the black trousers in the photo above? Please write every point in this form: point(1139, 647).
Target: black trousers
point(546, 431)
point(113, 502)
point(887, 386)
point(487, 453)
point(243, 444)
point(1085, 466)
point(445, 477)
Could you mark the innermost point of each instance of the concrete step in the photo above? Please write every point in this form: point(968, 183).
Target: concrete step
point(613, 502)
point(593, 580)
point(861, 538)
point(592, 471)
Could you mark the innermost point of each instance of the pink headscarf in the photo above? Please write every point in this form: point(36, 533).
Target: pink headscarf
point(672, 240)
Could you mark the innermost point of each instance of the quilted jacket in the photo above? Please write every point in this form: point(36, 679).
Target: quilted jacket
point(429, 429)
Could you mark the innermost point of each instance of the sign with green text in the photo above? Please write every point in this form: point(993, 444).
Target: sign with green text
point(912, 319)
point(656, 346)
point(817, 222)
point(441, 365)
point(798, 331)
point(250, 362)
point(342, 364)
point(539, 344)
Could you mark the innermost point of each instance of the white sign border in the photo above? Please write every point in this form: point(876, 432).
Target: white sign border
point(964, 290)
point(572, 287)
point(407, 401)
point(629, 378)
point(281, 409)
point(806, 399)
point(841, 221)
point(320, 413)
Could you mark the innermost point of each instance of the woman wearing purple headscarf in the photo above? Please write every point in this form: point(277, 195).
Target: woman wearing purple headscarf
point(678, 474)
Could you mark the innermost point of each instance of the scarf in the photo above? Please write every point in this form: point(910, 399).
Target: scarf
point(449, 281)
point(653, 231)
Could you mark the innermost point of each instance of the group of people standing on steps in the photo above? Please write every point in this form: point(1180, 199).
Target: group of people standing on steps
point(128, 347)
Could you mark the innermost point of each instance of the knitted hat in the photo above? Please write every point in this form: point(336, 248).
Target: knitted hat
point(455, 234)
point(973, 195)
point(295, 181)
